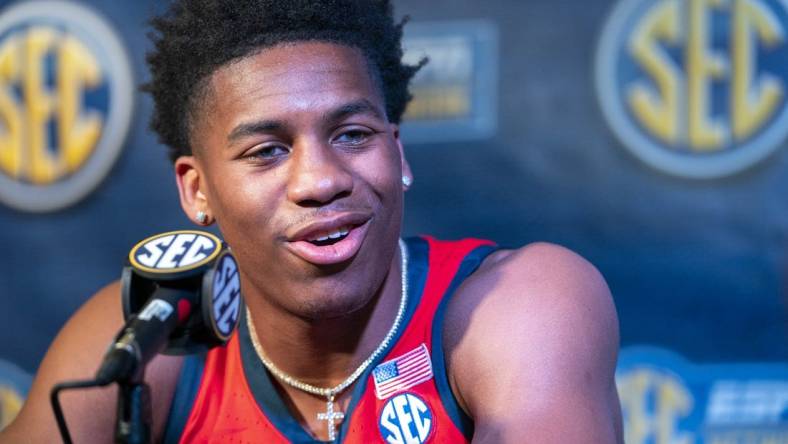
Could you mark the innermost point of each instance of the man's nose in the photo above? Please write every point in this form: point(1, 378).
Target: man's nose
point(318, 175)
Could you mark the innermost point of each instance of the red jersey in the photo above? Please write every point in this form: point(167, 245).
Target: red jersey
point(402, 398)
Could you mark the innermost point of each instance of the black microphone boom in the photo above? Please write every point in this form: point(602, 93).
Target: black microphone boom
point(145, 335)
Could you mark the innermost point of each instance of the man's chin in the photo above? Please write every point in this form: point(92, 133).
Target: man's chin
point(331, 307)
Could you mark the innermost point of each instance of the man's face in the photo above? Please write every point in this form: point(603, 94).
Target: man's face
point(298, 164)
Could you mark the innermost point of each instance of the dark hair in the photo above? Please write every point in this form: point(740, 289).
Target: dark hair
point(193, 38)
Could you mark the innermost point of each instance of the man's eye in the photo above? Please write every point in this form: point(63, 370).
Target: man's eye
point(270, 151)
point(353, 137)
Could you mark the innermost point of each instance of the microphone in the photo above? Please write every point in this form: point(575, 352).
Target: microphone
point(181, 294)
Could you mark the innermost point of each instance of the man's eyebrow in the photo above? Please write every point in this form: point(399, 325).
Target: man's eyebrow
point(253, 128)
point(361, 106)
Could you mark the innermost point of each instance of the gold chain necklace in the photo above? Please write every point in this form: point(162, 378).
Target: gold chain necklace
point(330, 415)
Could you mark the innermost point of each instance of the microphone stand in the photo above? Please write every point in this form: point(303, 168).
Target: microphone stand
point(133, 424)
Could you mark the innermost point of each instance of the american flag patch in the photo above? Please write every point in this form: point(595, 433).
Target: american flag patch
point(404, 372)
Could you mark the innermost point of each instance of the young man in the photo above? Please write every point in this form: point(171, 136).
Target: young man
point(282, 118)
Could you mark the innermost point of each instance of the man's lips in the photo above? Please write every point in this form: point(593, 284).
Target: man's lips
point(327, 223)
point(329, 240)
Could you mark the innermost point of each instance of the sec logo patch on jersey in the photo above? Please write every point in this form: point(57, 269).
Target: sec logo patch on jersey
point(406, 419)
point(66, 96)
point(696, 88)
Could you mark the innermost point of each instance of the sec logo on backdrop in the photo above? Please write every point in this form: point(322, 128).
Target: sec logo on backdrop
point(696, 88)
point(14, 384)
point(65, 103)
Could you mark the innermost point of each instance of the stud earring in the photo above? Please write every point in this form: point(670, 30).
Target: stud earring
point(407, 180)
point(201, 217)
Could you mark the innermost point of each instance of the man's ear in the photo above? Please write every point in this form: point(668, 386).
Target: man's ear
point(190, 180)
point(407, 174)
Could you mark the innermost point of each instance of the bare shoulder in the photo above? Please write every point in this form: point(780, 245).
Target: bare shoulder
point(531, 344)
point(75, 354)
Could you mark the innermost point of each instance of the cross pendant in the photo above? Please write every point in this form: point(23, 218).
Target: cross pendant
point(330, 416)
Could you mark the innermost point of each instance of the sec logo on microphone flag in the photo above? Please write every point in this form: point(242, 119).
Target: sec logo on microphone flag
point(175, 251)
point(224, 298)
point(202, 270)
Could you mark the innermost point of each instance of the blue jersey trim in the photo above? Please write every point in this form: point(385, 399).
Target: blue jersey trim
point(266, 395)
point(469, 264)
point(185, 393)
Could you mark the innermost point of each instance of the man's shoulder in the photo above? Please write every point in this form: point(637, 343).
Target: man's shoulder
point(535, 274)
point(536, 285)
point(533, 317)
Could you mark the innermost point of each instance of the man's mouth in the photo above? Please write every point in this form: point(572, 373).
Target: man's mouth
point(330, 240)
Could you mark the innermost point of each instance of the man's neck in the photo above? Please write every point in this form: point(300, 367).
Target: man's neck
point(325, 352)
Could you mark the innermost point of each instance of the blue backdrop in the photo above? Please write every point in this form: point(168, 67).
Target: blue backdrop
point(696, 266)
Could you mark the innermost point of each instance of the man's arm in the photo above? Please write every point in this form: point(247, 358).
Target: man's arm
point(532, 342)
point(76, 354)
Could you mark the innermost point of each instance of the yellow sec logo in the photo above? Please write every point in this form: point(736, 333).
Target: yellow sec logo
point(10, 404)
point(696, 88)
point(66, 98)
point(14, 385)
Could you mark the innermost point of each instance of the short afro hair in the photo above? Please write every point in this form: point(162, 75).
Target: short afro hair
point(193, 38)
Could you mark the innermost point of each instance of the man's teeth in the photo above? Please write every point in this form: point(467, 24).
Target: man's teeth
point(333, 235)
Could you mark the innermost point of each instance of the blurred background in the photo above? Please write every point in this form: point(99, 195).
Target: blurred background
point(647, 135)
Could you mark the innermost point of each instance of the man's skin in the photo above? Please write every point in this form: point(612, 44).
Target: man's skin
point(292, 141)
